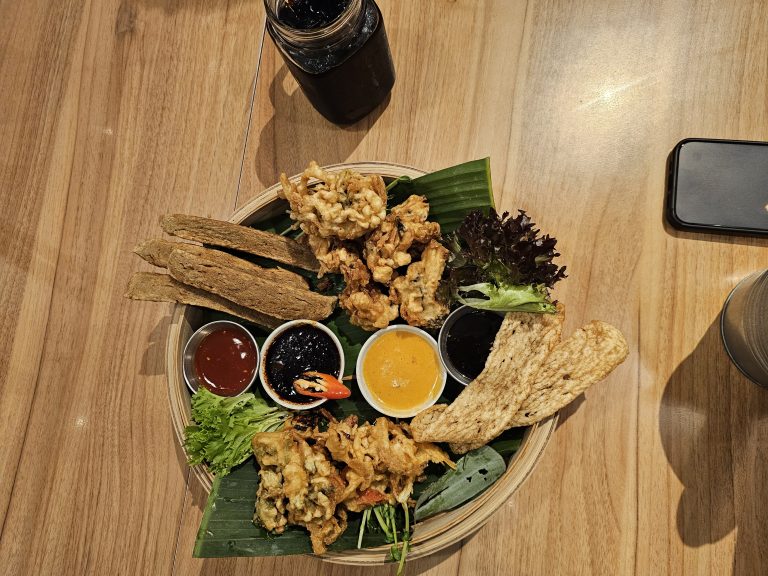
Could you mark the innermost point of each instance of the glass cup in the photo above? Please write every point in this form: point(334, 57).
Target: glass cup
point(744, 326)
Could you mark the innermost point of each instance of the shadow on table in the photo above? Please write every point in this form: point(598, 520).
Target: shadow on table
point(714, 432)
point(297, 133)
point(153, 359)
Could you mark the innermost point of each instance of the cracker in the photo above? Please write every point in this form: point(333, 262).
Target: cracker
point(243, 238)
point(250, 290)
point(479, 413)
point(587, 357)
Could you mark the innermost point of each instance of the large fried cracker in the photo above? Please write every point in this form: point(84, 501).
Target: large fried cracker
point(585, 358)
point(479, 413)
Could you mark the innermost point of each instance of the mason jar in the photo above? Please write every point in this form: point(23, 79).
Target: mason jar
point(338, 52)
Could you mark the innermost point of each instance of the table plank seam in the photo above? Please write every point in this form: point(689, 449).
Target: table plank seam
point(250, 114)
point(637, 434)
point(187, 494)
point(515, 85)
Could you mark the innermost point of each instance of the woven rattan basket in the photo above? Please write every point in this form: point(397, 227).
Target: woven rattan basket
point(430, 535)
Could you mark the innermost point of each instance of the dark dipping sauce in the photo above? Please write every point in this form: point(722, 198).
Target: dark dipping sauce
point(470, 339)
point(297, 350)
point(225, 361)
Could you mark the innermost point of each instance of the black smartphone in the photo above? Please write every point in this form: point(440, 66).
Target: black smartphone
point(719, 186)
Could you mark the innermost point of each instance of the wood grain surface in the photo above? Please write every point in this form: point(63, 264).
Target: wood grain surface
point(115, 112)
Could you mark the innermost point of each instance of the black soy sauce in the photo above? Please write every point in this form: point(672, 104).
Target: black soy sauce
point(297, 350)
point(344, 79)
point(470, 339)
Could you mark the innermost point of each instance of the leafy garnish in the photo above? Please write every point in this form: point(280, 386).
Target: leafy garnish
point(474, 472)
point(388, 518)
point(501, 263)
point(224, 427)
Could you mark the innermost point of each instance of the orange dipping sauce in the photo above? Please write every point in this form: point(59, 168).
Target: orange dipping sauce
point(225, 361)
point(402, 371)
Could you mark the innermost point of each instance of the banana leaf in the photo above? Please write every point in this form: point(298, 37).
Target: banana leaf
point(474, 473)
point(451, 192)
point(227, 528)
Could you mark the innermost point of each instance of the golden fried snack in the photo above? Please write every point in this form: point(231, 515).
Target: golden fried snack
point(299, 483)
point(366, 305)
point(298, 486)
point(480, 412)
point(586, 357)
point(157, 252)
point(248, 289)
point(416, 292)
point(162, 288)
point(387, 248)
point(332, 253)
point(243, 238)
point(342, 205)
point(382, 460)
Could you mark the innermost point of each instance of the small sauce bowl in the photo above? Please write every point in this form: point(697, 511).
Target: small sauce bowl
point(279, 342)
point(189, 368)
point(479, 334)
point(376, 400)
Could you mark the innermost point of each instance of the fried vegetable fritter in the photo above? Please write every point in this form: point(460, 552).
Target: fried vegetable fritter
point(417, 291)
point(388, 247)
point(312, 478)
point(342, 205)
point(367, 306)
point(298, 485)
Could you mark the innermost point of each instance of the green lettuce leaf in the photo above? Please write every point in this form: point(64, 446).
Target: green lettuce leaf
point(221, 435)
point(506, 297)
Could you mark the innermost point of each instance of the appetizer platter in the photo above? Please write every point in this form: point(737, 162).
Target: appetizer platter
point(366, 361)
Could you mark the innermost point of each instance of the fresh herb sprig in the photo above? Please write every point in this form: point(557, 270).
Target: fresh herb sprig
point(385, 517)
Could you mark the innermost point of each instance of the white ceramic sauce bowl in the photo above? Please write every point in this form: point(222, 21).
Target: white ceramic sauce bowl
point(265, 384)
point(368, 395)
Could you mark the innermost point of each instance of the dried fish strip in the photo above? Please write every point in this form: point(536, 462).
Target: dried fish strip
point(157, 251)
point(228, 235)
point(250, 290)
point(156, 287)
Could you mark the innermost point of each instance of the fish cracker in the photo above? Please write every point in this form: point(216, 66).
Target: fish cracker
point(478, 413)
point(586, 357)
point(162, 288)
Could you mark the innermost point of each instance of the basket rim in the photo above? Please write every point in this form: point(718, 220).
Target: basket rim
point(437, 532)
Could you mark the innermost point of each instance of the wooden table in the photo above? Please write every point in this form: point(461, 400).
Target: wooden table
point(113, 112)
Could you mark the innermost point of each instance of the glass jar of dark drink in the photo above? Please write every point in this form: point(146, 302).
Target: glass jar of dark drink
point(338, 52)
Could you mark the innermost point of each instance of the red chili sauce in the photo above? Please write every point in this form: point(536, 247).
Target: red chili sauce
point(225, 361)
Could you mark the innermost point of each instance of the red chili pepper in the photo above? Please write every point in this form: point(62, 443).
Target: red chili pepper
point(371, 497)
point(319, 385)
